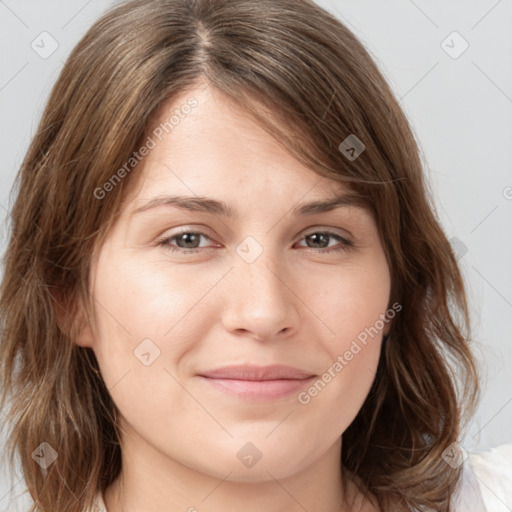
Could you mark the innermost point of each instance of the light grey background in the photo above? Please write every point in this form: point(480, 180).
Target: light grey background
point(460, 109)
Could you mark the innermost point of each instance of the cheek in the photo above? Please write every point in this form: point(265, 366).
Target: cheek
point(350, 364)
point(355, 308)
point(138, 317)
point(149, 322)
point(137, 300)
point(352, 300)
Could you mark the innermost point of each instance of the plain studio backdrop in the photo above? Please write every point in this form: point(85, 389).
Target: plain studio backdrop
point(449, 65)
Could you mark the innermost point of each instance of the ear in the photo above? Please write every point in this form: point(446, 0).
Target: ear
point(72, 319)
point(83, 335)
point(394, 307)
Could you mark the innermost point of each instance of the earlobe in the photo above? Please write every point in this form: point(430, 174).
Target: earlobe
point(72, 320)
point(82, 335)
point(82, 332)
point(387, 329)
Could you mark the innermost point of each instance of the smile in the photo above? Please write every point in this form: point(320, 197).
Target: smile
point(257, 383)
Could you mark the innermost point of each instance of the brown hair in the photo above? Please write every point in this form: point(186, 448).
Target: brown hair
point(321, 86)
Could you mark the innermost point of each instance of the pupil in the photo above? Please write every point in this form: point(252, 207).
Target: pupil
point(320, 238)
point(188, 238)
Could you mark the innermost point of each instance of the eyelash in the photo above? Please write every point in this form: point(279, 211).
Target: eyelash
point(346, 245)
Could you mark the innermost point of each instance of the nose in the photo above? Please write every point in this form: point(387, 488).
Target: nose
point(259, 300)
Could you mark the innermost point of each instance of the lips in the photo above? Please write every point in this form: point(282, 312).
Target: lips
point(274, 372)
point(257, 382)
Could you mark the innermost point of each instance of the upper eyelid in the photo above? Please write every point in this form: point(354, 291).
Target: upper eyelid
point(306, 231)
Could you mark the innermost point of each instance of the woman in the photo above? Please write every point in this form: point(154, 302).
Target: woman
point(225, 285)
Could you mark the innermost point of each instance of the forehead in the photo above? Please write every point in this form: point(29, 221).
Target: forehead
point(216, 148)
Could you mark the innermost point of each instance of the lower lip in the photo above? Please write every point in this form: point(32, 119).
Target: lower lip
point(258, 389)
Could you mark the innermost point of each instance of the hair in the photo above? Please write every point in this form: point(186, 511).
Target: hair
point(317, 85)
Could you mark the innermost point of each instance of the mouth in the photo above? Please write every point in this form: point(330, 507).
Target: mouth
point(257, 382)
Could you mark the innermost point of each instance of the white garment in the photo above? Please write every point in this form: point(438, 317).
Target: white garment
point(486, 484)
point(99, 504)
point(488, 476)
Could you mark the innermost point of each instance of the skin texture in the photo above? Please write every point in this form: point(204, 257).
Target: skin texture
point(295, 305)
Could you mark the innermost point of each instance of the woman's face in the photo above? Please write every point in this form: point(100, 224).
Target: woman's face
point(263, 276)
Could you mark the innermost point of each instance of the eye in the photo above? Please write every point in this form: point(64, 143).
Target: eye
point(188, 242)
point(320, 241)
point(185, 241)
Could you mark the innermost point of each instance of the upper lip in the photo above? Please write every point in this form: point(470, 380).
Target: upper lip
point(251, 372)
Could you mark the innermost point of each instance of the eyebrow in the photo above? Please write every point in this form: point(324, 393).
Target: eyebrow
point(208, 205)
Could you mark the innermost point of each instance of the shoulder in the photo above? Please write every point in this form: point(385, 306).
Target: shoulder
point(486, 483)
